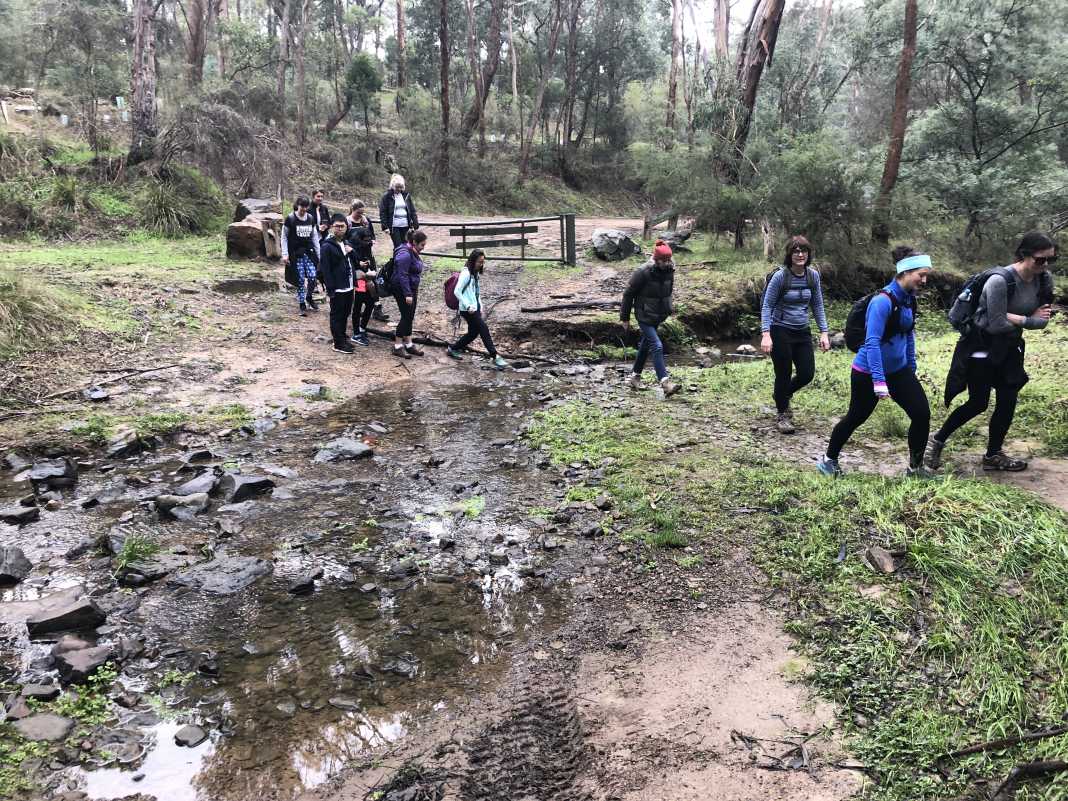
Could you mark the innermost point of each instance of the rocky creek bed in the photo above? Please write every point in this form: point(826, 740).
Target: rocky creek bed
point(278, 601)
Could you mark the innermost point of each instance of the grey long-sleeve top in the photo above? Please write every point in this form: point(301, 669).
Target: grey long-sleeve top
point(995, 304)
point(792, 310)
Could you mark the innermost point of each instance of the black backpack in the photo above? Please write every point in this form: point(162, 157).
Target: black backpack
point(784, 287)
point(856, 322)
point(384, 279)
point(965, 306)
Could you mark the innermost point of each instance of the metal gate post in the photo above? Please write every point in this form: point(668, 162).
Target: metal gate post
point(569, 228)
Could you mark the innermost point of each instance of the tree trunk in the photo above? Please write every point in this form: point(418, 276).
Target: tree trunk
point(721, 23)
point(144, 120)
point(880, 227)
point(402, 67)
point(539, 98)
point(302, 95)
point(515, 76)
point(196, 20)
point(567, 110)
point(476, 73)
point(476, 114)
point(222, 13)
point(283, 61)
point(751, 67)
point(443, 43)
point(673, 71)
point(335, 120)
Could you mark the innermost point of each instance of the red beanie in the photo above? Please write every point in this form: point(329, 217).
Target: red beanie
point(661, 251)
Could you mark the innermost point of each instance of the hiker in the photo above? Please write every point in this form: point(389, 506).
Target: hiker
point(361, 237)
point(791, 291)
point(321, 213)
point(990, 354)
point(885, 365)
point(468, 294)
point(337, 276)
point(649, 294)
point(396, 211)
point(407, 271)
point(300, 254)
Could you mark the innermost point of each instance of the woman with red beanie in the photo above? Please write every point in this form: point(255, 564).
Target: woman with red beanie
point(649, 294)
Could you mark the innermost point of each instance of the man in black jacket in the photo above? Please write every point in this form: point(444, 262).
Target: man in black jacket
point(649, 294)
point(337, 276)
point(396, 211)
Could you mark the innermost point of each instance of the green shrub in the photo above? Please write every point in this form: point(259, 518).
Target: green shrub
point(182, 201)
point(64, 194)
point(29, 312)
point(354, 171)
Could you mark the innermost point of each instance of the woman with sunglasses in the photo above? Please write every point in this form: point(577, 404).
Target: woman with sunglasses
point(1014, 298)
point(792, 290)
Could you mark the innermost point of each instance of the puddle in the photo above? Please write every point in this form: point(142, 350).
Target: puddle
point(424, 590)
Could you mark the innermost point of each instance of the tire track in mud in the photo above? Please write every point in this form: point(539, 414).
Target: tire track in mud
point(535, 752)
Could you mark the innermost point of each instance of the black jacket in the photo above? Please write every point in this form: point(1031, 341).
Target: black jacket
point(321, 214)
point(385, 211)
point(649, 294)
point(335, 266)
point(362, 240)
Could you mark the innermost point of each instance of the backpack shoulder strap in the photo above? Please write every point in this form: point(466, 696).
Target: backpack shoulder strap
point(810, 279)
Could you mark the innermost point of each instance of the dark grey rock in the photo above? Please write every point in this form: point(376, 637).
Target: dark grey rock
point(305, 583)
point(223, 576)
point(96, 394)
point(125, 443)
point(54, 473)
point(611, 244)
point(182, 507)
point(45, 727)
point(190, 736)
point(204, 483)
point(19, 515)
point(498, 556)
point(344, 448)
point(59, 613)
point(17, 709)
point(14, 566)
point(237, 487)
point(40, 692)
point(345, 704)
point(76, 666)
point(15, 461)
point(143, 571)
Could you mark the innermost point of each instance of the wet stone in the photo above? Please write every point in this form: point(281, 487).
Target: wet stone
point(126, 443)
point(498, 556)
point(54, 473)
point(305, 583)
point(40, 692)
point(223, 576)
point(18, 709)
point(237, 487)
point(343, 448)
point(182, 507)
point(345, 704)
point(368, 588)
point(76, 667)
point(45, 727)
point(19, 515)
point(58, 613)
point(204, 483)
point(190, 736)
point(14, 566)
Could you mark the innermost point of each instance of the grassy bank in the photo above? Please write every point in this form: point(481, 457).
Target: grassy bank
point(964, 642)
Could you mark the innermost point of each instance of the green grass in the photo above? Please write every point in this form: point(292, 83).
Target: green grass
point(135, 548)
point(29, 312)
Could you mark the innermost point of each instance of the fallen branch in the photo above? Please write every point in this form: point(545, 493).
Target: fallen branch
point(604, 305)
point(1026, 772)
point(122, 377)
point(41, 410)
point(1005, 742)
point(434, 342)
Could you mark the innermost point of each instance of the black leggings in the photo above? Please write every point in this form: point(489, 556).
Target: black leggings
point(407, 313)
point(476, 327)
point(983, 377)
point(791, 348)
point(907, 393)
point(362, 307)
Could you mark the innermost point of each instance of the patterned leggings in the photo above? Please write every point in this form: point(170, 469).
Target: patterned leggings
point(305, 273)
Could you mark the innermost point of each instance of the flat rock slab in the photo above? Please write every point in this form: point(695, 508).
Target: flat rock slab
point(305, 583)
point(237, 487)
point(76, 666)
point(182, 507)
point(40, 692)
point(59, 613)
point(190, 736)
point(14, 566)
point(223, 576)
point(45, 727)
point(54, 472)
point(19, 515)
point(156, 567)
point(205, 483)
point(344, 448)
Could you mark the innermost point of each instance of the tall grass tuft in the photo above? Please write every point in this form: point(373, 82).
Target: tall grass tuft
point(181, 201)
point(29, 312)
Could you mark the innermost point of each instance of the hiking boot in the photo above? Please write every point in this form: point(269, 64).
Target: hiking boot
point(829, 467)
point(344, 347)
point(932, 454)
point(785, 423)
point(1002, 461)
point(920, 471)
point(635, 382)
point(454, 354)
point(379, 315)
point(500, 363)
point(400, 352)
point(669, 387)
point(303, 309)
point(414, 350)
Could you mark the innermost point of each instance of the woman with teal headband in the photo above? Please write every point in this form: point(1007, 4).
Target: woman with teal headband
point(885, 366)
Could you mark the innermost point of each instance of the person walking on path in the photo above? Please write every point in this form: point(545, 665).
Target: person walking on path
point(407, 272)
point(792, 290)
point(396, 211)
point(649, 295)
point(361, 238)
point(300, 254)
point(321, 213)
point(337, 277)
point(885, 365)
point(468, 293)
point(991, 356)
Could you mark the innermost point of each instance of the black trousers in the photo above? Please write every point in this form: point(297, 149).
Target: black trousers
point(476, 327)
point(794, 361)
point(362, 306)
point(982, 378)
point(399, 236)
point(407, 313)
point(340, 309)
point(906, 391)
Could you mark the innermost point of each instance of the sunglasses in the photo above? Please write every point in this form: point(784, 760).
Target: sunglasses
point(799, 250)
point(1042, 261)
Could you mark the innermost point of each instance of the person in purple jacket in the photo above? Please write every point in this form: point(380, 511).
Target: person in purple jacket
point(885, 366)
point(407, 271)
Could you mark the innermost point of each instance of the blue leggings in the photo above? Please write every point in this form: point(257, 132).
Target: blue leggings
point(305, 273)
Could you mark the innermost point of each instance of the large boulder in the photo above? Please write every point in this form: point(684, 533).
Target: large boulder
point(611, 244)
point(257, 236)
point(205, 482)
point(14, 566)
point(223, 576)
point(676, 239)
point(255, 205)
point(142, 571)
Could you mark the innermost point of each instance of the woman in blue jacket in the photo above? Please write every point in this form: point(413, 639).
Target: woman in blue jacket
point(885, 366)
point(468, 293)
point(407, 272)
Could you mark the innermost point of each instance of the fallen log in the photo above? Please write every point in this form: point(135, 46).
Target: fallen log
point(1026, 772)
point(586, 304)
point(1005, 742)
point(123, 377)
point(434, 342)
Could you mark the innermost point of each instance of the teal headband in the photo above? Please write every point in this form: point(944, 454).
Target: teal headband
point(913, 263)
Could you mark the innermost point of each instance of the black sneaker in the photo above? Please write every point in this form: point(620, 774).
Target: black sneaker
point(344, 347)
point(361, 340)
point(380, 315)
point(303, 309)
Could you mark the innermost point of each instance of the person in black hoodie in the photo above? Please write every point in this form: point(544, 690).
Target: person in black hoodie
point(337, 276)
point(396, 212)
point(321, 213)
point(300, 253)
point(361, 237)
point(649, 294)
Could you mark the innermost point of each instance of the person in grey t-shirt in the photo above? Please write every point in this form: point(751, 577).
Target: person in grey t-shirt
point(995, 359)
